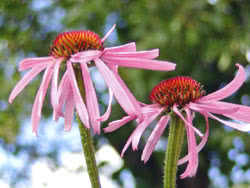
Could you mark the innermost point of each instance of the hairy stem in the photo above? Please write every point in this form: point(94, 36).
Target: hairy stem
point(175, 141)
point(86, 139)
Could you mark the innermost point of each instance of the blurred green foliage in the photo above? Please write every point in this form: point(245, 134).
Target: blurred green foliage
point(204, 38)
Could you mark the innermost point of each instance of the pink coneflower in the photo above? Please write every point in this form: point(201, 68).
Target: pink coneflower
point(182, 96)
point(79, 50)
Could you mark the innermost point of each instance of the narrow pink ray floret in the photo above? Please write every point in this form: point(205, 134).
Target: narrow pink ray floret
point(183, 96)
point(81, 50)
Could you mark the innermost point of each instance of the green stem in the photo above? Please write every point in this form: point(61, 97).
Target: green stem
point(87, 143)
point(175, 141)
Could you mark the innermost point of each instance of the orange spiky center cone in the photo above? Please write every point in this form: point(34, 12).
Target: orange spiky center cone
point(71, 42)
point(179, 90)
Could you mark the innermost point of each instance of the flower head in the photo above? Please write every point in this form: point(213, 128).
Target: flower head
point(179, 90)
point(183, 96)
point(80, 50)
point(71, 42)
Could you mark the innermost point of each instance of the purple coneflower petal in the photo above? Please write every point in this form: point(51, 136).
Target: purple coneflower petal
point(29, 63)
point(69, 112)
point(108, 33)
point(38, 104)
point(85, 56)
point(210, 107)
point(229, 89)
point(123, 95)
point(130, 47)
point(151, 108)
point(78, 101)
point(242, 114)
point(127, 145)
point(199, 147)
point(238, 126)
point(141, 128)
point(150, 54)
point(26, 79)
point(118, 123)
point(193, 160)
point(140, 63)
point(91, 99)
point(154, 138)
point(62, 94)
point(134, 138)
point(176, 110)
point(106, 115)
point(55, 82)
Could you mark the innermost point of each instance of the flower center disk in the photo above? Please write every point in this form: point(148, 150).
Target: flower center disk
point(71, 42)
point(178, 90)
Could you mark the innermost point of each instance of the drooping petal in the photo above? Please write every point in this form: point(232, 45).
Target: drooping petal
point(26, 80)
point(127, 145)
point(229, 89)
point(199, 147)
point(106, 115)
point(154, 138)
point(108, 33)
point(64, 91)
point(38, 104)
point(176, 110)
point(140, 129)
point(242, 114)
point(137, 107)
point(150, 54)
point(193, 160)
point(130, 47)
point(91, 99)
point(140, 63)
point(118, 123)
point(78, 101)
point(85, 56)
point(55, 82)
point(121, 92)
point(210, 107)
point(134, 138)
point(29, 63)
point(238, 126)
point(69, 112)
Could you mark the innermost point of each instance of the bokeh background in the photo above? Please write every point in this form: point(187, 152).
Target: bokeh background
point(204, 38)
